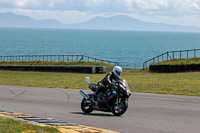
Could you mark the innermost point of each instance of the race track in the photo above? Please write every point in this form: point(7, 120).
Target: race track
point(147, 113)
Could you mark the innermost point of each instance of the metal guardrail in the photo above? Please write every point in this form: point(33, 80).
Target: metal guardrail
point(67, 58)
point(169, 55)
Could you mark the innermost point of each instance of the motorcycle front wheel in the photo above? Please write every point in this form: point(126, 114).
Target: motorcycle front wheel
point(85, 107)
point(118, 110)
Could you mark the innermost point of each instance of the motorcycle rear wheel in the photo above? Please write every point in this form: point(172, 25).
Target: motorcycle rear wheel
point(85, 107)
point(122, 110)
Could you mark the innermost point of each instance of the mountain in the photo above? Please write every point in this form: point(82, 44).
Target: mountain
point(120, 22)
point(10, 19)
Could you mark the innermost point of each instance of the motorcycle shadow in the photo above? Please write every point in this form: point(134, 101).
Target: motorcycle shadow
point(93, 114)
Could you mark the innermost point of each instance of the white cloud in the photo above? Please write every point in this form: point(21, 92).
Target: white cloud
point(74, 11)
point(194, 6)
point(21, 3)
point(51, 4)
point(151, 4)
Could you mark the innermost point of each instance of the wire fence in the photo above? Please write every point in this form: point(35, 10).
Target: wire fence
point(68, 58)
point(169, 55)
point(130, 65)
point(63, 58)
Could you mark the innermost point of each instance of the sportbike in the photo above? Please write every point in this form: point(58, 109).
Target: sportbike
point(114, 99)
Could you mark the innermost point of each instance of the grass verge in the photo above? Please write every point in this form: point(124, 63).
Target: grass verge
point(188, 61)
point(14, 126)
point(75, 63)
point(187, 83)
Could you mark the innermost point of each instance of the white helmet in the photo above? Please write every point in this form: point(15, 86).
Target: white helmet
point(117, 70)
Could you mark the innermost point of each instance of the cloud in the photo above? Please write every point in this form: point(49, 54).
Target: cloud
point(103, 5)
point(81, 10)
point(51, 4)
point(150, 4)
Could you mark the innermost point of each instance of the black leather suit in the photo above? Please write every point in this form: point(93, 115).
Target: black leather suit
point(106, 83)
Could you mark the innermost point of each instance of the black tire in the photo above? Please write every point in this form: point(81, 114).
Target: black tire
point(122, 110)
point(85, 108)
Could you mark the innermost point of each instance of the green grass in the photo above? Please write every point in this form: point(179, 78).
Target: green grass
point(179, 62)
point(165, 83)
point(187, 83)
point(14, 126)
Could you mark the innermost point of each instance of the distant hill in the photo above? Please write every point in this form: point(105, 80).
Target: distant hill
point(10, 19)
point(120, 22)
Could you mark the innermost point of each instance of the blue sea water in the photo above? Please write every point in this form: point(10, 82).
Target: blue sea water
point(121, 46)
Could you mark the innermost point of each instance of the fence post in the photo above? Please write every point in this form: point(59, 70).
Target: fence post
point(173, 54)
point(194, 53)
point(180, 54)
point(167, 55)
point(82, 58)
point(187, 54)
point(143, 65)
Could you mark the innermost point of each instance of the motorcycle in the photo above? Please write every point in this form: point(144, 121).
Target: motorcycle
point(114, 100)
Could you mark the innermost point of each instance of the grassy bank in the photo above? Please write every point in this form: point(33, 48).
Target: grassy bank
point(188, 61)
point(13, 126)
point(139, 81)
point(75, 63)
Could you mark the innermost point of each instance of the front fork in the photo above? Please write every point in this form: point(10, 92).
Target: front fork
point(117, 103)
point(118, 100)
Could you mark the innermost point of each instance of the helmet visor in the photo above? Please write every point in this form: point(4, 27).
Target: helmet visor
point(118, 73)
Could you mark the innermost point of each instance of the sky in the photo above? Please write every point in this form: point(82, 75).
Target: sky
point(181, 12)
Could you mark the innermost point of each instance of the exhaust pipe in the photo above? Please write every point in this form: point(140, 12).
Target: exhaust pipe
point(85, 95)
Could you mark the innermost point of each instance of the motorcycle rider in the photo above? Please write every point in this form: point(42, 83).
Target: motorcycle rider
point(107, 82)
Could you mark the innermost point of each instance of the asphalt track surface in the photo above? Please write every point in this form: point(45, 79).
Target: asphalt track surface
point(147, 113)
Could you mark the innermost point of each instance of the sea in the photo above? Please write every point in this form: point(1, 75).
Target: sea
point(129, 47)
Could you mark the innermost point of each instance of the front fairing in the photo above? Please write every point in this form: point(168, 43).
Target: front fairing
point(125, 88)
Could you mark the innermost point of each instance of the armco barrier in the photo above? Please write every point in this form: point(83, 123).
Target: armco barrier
point(174, 68)
point(77, 69)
